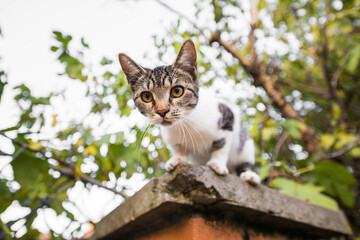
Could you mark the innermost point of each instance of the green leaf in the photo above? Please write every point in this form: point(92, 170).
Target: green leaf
point(54, 49)
point(354, 59)
point(2, 84)
point(64, 39)
point(336, 180)
point(292, 126)
point(264, 171)
point(84, 43)
point(125, 111)
point(105, 61)
point(307, 192)
point(5, 200)
point(5, 229)
point(57, 206)
point(28, 169)
point(10, 129)
point(74, 70)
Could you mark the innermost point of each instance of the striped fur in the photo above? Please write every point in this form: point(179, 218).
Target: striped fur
point(160, 81)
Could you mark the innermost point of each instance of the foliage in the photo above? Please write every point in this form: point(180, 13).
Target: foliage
point(308, 192)
point(297, 60)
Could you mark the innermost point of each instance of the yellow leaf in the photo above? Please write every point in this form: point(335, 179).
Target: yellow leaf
point(54, 120)
point(336, 111)
point(344, 139)
point(268, 133)
point(301, 125)
point(90, 150)
point(80, 142)
point(35, 146)
point(355, 152)
point(327, 140)
point(68, 130)
point(197, 44)
point(269, 123)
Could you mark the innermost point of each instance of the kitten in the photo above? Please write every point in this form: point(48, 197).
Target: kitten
point(195, 125)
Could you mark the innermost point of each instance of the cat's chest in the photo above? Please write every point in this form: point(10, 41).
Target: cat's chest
point(193, 136)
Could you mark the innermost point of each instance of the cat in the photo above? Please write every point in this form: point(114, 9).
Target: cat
point(194, 124)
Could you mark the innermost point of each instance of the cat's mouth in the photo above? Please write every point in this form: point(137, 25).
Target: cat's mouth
point(165, 123)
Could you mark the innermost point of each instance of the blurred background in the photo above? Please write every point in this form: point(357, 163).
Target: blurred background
point(73, 146)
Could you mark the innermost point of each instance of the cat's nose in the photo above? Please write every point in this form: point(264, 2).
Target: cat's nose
point(162, 112)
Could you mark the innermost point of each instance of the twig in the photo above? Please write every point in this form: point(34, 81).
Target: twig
point(279, 144)
point(22, 148)
point(340, 152)
point(178, 13)
point(339, 70)
point(43, 202)
point(4, 153)
point(70, 173)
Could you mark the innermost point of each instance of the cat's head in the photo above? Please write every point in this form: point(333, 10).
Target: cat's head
point(164, 94)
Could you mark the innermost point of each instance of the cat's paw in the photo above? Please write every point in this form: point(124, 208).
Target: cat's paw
point(218, 167)
point(250, 177)
point(174, 161)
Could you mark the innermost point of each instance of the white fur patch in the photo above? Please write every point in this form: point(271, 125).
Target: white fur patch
point(250, 177)
point(194, 134)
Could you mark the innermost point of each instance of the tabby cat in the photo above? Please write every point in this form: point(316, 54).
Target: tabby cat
point(195, 125)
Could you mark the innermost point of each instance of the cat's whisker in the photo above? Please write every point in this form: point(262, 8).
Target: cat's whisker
point(201, 126)
point(184, 138)
point(197, 131)
point(192, 137)
point(177, 130)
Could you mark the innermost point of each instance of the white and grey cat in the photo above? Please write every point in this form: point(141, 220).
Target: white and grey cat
point(195, 125)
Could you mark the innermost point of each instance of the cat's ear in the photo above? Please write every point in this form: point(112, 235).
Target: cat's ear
point(131, 69)
point(186, 58)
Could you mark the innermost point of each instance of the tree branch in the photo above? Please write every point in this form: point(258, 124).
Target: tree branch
point(70, 173)
point(4, 153)
point(280, 143)
point(43, 202)
point(335, 77)
point(342, 151)
point(263, 80)
point(215, 37)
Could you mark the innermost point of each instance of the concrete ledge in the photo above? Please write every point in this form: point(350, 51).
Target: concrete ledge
point(197, 191)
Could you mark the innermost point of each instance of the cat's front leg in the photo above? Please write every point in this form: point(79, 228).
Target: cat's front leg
point(220, 155)
point(179, 157)
point(174, 161)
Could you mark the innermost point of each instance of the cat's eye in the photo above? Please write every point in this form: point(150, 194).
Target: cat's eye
point(177, 91)
point(146, 96)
